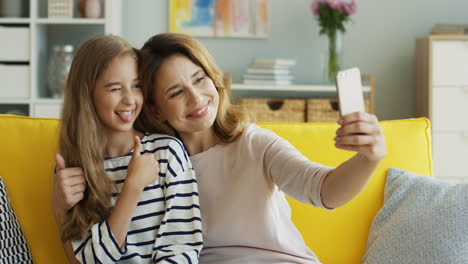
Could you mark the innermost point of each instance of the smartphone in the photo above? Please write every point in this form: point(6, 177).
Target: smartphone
point(349, 90)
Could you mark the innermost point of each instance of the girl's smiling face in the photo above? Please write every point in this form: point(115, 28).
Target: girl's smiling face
point(117, 95)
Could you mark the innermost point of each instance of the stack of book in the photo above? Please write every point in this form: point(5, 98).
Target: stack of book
point(270, 72)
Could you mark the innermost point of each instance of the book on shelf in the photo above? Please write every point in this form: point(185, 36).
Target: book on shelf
point(268, 77)
point(449, 29)
point(273, 62)
point(268, 71)
point(268, 82)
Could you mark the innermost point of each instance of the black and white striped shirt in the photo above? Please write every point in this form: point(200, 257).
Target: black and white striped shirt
point(166, 226)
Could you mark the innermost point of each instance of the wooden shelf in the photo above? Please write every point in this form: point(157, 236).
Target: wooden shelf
point(289, 88)
point(14, 20)
point(14, 101)
point(70, 21)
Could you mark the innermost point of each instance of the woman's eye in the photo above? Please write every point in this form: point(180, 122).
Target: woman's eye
point(199, 80)
point(115, 89)
point(176, 93)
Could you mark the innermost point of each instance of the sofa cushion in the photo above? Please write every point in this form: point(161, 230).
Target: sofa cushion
point(423, 220)
point(13, 246)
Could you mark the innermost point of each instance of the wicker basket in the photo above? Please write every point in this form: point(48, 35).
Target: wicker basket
point(274, 110)
point(60, 8)
point(326, 109)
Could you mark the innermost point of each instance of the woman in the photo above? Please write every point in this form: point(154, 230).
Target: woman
point(242, 169)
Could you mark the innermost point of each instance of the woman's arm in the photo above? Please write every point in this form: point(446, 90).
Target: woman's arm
point(359, 132)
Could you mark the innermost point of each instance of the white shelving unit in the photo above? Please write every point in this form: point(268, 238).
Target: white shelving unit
point(33, 97)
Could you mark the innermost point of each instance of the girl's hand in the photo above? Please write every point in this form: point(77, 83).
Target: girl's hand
point(69, 187)
point(362, 133)
point(143, 169)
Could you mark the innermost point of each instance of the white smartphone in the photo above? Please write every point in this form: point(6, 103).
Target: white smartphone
point(349, 90)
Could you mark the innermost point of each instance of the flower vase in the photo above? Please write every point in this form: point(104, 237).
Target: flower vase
point(333, 57)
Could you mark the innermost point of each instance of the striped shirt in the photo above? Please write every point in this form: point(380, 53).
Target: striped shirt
point(166, 226)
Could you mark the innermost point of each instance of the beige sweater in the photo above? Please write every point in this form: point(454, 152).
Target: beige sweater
point(245, 216)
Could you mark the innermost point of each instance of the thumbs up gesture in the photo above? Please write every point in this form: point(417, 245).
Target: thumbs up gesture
point(143, 169)
point(69, 187)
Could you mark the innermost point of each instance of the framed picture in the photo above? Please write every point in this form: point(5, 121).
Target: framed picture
point(220, 18)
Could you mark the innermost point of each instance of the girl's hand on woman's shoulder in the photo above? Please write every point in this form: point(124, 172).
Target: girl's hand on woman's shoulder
point(143, 169)
point(362, 133)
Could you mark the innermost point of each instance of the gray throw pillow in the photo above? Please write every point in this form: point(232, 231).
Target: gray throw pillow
point(13, 246)
point(423, 220)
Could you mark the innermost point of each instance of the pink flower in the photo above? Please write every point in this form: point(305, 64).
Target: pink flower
point(340, 5)
point(316, 6)
point(349, 9)
point(334, 4)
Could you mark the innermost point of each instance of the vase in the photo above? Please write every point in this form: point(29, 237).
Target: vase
point(90, 8)
point(59, 65)
point(333, 56)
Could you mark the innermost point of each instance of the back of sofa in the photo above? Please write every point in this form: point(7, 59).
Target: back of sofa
point(28, 146)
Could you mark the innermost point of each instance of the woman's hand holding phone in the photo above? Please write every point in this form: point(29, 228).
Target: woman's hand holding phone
point(361, 132)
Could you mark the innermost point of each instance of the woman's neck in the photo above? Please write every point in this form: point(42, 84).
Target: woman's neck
point(199, 141)
point(120, 143)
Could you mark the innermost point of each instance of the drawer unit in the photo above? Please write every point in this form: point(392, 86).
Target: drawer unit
point(15, 81)
point(15, 43)
point(450, 63)
point(442, 96)
point(449, 108)
point(47, 110)
point(450, 154)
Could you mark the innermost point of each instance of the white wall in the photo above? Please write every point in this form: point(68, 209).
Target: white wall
point(380, 41)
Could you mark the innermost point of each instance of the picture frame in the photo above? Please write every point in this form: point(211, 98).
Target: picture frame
point(220, 18)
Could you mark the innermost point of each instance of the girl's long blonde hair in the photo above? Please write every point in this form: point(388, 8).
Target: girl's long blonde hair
point(82, 139)
point(230, 121)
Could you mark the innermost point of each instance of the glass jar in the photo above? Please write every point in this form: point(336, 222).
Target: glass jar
point(59, 65)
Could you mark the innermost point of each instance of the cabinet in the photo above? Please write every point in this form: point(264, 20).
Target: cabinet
point(25, 47)
point(442, 96)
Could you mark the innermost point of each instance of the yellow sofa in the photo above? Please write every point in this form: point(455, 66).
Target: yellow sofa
point(337, 237)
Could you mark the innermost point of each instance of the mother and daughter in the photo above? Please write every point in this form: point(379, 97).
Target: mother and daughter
point(125, 188)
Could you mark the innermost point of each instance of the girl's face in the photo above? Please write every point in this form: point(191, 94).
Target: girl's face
point(117, 95)
point(185, 96)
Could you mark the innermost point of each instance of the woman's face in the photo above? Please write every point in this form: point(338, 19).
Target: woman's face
point(185, 96)
point(117, 95)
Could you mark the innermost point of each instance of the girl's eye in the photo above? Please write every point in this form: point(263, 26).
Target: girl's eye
point(137, 86)
point(176, 94)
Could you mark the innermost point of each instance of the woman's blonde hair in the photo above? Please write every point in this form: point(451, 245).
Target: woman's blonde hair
point(82, 140)
point(230, 120)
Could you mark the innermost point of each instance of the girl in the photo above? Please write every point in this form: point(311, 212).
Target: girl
point(140, 205)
